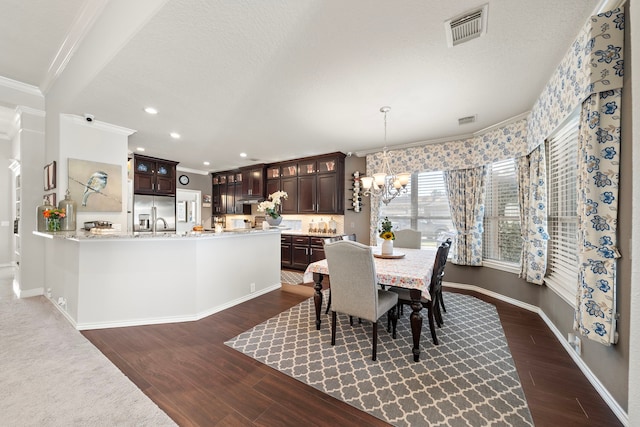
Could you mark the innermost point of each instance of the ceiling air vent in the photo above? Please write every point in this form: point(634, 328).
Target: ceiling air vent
point(467, 26)
point(466, 120)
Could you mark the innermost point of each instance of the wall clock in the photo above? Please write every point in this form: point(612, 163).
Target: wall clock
point(184, 179)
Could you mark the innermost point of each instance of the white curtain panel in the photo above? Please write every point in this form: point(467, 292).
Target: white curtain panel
point(466, 191)
point(598, 179)
point(532, 193)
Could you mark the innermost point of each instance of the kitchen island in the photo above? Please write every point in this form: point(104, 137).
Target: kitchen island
point(140, 279)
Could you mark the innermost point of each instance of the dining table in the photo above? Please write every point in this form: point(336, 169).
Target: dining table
point(406, 268)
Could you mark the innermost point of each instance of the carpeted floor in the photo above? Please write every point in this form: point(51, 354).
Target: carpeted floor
point(467, 380)
point(50, 375)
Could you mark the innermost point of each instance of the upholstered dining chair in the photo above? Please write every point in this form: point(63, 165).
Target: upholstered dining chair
point(353, 288)
point(351, 237)
point(435, 291)
point(408, 238)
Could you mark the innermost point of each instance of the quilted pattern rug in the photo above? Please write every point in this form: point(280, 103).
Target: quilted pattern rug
point(468, 380)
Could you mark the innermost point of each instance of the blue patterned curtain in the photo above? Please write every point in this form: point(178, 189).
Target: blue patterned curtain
point(598, 175)
point(532, 193)
point(465, 188)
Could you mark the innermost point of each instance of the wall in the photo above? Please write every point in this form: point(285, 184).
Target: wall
point(633, 134)
point(355, 222)
point(7, 208)
point(97, 142)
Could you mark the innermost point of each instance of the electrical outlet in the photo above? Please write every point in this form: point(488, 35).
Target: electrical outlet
point(252, 287)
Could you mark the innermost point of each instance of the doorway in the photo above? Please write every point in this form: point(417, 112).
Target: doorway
point(188, 210)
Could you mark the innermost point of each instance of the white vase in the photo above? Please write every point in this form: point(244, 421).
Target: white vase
point(387, 247)
point(273, 221)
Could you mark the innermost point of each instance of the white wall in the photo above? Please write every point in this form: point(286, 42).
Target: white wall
point(97, 142)
point(7, 206)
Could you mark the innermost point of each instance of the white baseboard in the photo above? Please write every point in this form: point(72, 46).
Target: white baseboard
point(161, 320)
point(595, 382)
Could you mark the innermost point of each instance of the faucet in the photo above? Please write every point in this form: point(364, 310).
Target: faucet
point(155, 218)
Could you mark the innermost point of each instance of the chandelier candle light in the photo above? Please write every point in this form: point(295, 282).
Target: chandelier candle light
point(386, 184)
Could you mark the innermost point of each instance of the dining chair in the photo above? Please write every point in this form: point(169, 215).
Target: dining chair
point(354, 290)
point(351, 237)
point(408, 238)
point(435, 291)
point(446, 256)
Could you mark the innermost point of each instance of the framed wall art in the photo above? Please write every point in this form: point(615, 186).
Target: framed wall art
point(50, 176)
point(96, 187)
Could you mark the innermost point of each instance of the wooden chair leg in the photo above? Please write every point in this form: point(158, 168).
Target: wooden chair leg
point(375, 341)
point(437, 314)
point(394, 320)
point(329, 303)
point(442, 302)
point(432, 325)
point(333, 328)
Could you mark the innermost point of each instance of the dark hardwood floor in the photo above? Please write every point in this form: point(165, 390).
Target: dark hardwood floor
point(198, 381)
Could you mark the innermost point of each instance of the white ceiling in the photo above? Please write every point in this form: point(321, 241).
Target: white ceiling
point(280, 79)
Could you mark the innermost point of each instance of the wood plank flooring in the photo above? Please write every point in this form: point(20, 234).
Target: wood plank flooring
point(198, 381)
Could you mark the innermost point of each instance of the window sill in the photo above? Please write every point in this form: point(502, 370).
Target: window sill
point(504, 266)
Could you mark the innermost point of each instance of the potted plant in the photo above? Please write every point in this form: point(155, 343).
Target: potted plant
point(271, 207)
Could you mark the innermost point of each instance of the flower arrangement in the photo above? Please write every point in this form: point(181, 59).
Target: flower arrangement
point(54, 213)
point(385, 230)
point(270, 207)
point(53, 217)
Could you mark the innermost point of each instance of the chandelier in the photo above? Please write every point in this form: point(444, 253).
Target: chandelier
point(385, 184)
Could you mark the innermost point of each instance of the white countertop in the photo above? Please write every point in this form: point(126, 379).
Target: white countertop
point(137, 236)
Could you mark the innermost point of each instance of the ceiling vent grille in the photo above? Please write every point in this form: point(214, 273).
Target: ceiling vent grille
point(466, 120)
point(467, 26)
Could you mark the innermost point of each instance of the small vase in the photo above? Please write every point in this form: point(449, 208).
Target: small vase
point(387, 247)
point(273, 221)
point(53, 224)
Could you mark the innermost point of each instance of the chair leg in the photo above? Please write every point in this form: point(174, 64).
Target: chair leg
point(442, 302)
point(329, 303)
point(375, 341)
point(437, 314)
point(432, 326)
point(394, 320)
point(333, 328)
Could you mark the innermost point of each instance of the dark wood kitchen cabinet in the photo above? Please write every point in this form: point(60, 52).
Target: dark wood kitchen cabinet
point(154, 176)
point(304, 250)
point(315, 185)
point(219, 194)
point(253, 182)
point(286, 259)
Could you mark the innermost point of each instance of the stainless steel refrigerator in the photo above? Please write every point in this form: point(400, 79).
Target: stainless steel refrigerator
point(143, 213)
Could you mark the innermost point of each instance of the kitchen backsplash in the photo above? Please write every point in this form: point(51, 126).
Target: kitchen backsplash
point(293, 222)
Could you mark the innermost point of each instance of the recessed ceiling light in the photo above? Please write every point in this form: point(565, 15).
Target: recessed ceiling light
point(151, 110)
point(206, 163)
point(140, 148)
point(175, 135)
point(243, 154)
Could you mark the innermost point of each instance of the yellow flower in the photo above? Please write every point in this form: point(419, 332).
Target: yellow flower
point(388, 235)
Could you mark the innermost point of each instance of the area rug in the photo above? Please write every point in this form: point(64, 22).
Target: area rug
point(51, 375)
point(290, 277)
point(468, 380)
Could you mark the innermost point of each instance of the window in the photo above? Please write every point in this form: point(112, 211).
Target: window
point(425, 207)
point(562, 263)
point(501, 240)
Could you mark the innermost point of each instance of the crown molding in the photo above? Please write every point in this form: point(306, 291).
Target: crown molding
point(79, 29)
point(461, 137)
point(189, 170)
point(20, 86)
point(98, 125)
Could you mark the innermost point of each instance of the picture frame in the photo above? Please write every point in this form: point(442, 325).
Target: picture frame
point(50, 176)
point(51, 197)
